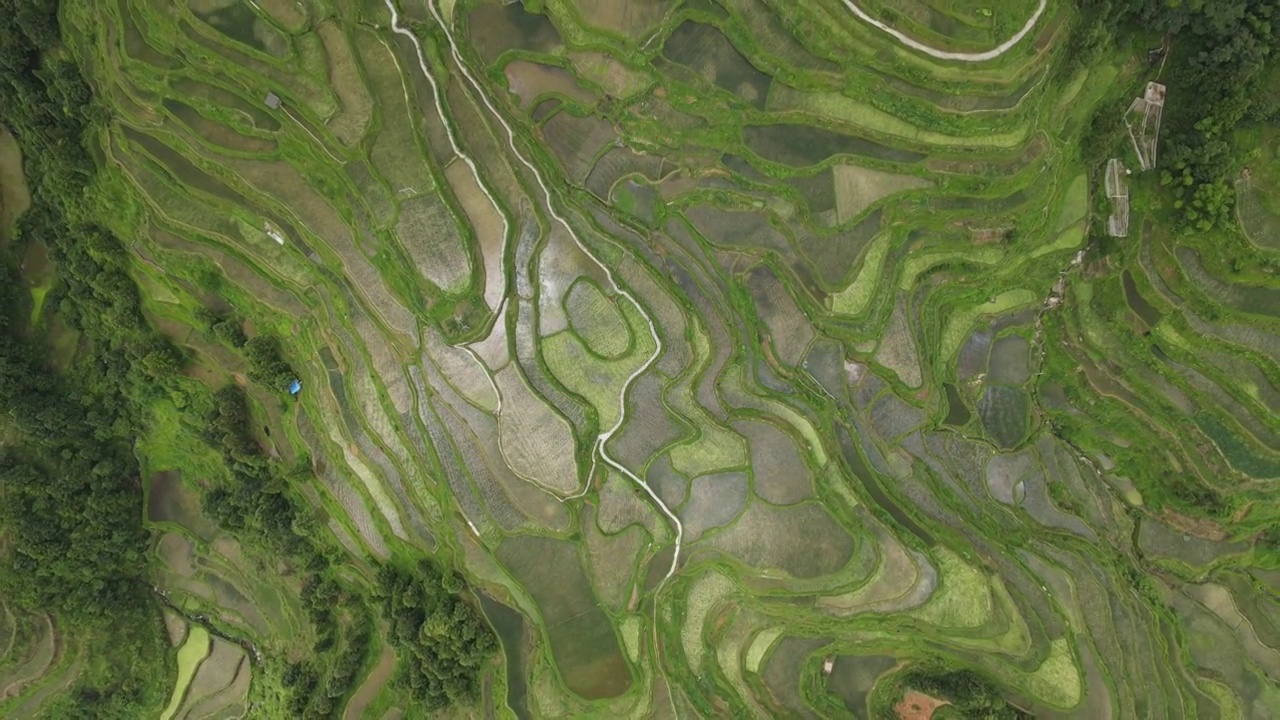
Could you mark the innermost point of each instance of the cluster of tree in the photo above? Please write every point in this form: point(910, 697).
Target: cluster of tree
point(226, 328)
point(71, 486)
point(70, 491)
point(312, 695)
point(256, 501)
point(266, 360)
point(267, 364)
point(443, 640)
point(971, 694)
point(1223, 51)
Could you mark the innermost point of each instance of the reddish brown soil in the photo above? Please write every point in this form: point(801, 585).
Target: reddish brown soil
point(917, 706)
point(1201, 528)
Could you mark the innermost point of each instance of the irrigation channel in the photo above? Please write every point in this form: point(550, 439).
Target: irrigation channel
point(605, 435)
point(999, 50)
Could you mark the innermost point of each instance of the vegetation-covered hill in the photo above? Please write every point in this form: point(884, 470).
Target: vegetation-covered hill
point(575, 358)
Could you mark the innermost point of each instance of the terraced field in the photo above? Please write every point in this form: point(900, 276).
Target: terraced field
point(744, 356)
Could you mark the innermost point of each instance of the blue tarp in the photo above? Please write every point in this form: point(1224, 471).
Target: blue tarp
point(295, 387)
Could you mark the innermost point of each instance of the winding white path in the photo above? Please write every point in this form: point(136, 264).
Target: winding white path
point(457, 150)
point(537, 174)
point(1001, 49)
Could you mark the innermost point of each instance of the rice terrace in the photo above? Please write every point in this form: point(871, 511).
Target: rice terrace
point(639, 358)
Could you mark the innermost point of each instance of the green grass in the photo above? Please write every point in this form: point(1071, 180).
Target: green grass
point(960, 322)
point(190, 655)
point(853, 300)
point(963, 599)
point(981, 164)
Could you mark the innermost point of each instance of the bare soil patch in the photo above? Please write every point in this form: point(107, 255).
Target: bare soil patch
point(917, 706)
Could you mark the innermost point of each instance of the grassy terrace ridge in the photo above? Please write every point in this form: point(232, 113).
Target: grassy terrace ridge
point(716, 358)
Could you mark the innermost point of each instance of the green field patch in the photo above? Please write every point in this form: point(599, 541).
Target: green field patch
point(430, 234)
point(216, 100)
point(239, 22)
point(394, 152)
point(800, 145)
point(963, 598)
point(537, 442)
point(14, 196)
point(714, 501)
point(708, 590)
point(612, 558)
point(1074, 205)
point(804, 541)
point(842, 109)
point(706, 51)
point(715, 447)
point(960, 321)
point(599, 381)
point(215, 674)
point(855, 298)
point(853, 676)
point(495, 28)
point(1069, 239)
point(760, 646)
point(355, 104)
point(530, 82)
point(1057, 680)
point(918, 263)
point(190, 655)
point(583, 643)
point(596, 320)
point(628, 18)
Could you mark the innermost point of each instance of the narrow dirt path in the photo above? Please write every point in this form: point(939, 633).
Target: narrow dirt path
point(555, 215)
point(1001, 49)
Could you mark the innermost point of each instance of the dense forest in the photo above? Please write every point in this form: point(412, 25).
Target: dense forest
point(968, 693)
point(70, 484)
point(443, 640)
point(1216, 79)
point(70, 489)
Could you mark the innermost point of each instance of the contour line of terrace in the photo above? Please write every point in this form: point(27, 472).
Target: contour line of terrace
point(914, 44)
point(604, 436)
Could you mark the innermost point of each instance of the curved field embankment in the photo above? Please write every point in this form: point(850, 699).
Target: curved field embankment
point(991, 54)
